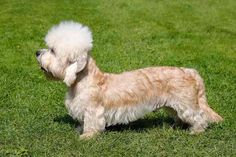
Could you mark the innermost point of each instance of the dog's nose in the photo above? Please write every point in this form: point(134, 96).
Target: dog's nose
point(37, 53)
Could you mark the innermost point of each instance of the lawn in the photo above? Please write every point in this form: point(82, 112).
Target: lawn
point(128, 34)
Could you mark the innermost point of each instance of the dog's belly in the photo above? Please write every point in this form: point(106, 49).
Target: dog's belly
point(126, 114)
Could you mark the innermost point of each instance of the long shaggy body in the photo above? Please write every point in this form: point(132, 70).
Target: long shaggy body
point(99, 99)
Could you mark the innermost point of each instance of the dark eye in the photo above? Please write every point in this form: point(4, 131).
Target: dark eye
point(52, 50)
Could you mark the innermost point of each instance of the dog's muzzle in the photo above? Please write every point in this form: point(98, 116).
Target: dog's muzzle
point(38, 53)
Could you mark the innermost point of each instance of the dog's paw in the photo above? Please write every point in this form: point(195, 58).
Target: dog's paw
point(79, 129)
point(88, 135)
point(196, 131)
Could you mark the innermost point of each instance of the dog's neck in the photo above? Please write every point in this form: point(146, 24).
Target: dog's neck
point(92, 72)
point(92, 68)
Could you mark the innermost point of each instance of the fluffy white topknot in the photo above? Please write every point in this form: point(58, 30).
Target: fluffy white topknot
point(69, 39)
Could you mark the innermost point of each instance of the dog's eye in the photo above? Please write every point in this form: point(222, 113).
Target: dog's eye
point(52, 51)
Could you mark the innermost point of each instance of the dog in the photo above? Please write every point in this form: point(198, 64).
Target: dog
point(98, 99)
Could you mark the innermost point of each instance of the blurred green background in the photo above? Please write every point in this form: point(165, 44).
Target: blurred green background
point(127, 35)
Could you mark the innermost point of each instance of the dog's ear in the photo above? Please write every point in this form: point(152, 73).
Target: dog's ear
point(74, 68)
point(82, 61)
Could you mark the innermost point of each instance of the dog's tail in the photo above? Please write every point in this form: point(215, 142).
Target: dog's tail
point(211, 115)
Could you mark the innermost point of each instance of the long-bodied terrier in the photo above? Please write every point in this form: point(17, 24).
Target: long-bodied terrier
point(97, 99)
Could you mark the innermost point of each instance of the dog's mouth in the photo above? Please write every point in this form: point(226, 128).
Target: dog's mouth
point(44, 70)
point(48, 74)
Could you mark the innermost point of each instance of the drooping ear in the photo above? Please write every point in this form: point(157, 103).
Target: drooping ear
point(74, 68)
point(82, 61)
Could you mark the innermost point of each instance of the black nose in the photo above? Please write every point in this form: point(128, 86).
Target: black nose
point(37, 53)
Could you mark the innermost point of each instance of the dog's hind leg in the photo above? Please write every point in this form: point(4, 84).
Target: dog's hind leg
point(173, 114)
point(193, 116)
point(197, 120)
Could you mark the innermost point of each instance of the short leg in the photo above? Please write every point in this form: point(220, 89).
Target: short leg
point(94, 121)
point(199, 122)
point(190, 114)
point(80, 128)
point(172, 113)
point(195, 118)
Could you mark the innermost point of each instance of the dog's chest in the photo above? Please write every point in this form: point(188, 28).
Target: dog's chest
point(75, 107)
point(75, 101)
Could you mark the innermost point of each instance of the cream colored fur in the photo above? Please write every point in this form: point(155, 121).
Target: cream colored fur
point(99, 99)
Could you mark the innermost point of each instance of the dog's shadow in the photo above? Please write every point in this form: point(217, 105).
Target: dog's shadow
point(138, 126)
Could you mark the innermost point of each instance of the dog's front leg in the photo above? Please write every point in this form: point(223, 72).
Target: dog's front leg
point(94, 121)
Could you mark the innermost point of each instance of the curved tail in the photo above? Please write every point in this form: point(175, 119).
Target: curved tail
point(211, 115)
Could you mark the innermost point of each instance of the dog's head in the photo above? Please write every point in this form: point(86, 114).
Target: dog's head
point(69, 44)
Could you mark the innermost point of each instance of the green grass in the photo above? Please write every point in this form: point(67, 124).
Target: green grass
point(127, 35)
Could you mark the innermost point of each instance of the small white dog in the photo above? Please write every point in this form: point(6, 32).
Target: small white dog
point(97, 99)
